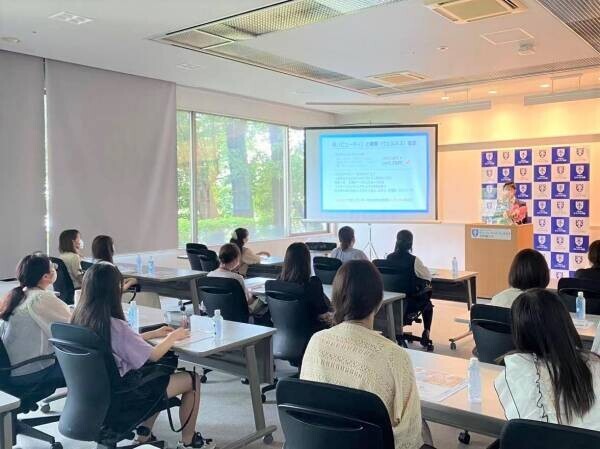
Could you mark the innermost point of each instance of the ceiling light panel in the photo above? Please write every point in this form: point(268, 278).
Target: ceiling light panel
point(196, 39)
point(68, 17)
point(507, 36)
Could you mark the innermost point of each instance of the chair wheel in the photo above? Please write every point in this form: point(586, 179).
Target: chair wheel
point(268, 439)
point(56, 445)
point(263, 398)
point(404, 344)
point(45, 408)
point(464, 437)
point(453, 346)
point(203, 379)
point(245, 381)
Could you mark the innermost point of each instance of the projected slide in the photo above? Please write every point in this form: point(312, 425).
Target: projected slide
point(374, 172)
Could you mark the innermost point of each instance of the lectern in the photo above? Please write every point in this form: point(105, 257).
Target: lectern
point(490, 249)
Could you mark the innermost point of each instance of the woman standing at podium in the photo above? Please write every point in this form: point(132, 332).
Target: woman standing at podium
point(517, 210)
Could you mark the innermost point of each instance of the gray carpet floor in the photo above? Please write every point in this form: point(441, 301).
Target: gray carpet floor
point(226, 412)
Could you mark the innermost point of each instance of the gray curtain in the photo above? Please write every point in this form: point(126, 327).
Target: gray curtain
point(22, 199)
point(112, 157)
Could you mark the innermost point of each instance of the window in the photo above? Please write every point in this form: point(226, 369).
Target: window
point(235, 173)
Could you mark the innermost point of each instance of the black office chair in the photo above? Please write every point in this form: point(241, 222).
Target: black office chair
point(29, 395)
point(491, 326)
point(290, 317)
point(525, 434)
point(202, 259)
point(195, 246)
point(263, 271)
point(322, 416)
point(93, 411)
point(403, 280)
point(226, 295)
point(326, 268)
point(85, 265)
point(569, 287)
point(63, 284)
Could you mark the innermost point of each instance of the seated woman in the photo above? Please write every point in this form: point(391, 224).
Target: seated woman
point(550, 377)
point(403, 257)
point(240, 237)
point(592, 273)
point(346, 250)
point(295, 279)
point(229, 260)
point(103, 250)
point(26, 314)
point(100, 310)
point(70, 245)
point(529, 269)
point(351, 354)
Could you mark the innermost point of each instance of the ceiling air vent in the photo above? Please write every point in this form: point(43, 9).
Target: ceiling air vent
point(464, 11)
point(397, 78)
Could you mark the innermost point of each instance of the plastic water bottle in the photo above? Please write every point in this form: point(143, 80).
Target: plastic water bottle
point(454, 267)
point(133, 317)
point(580, 307)
point(150, 265)
point(474, 380)
point(218, 323)
point(138, 263)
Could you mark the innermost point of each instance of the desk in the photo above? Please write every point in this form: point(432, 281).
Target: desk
point(257, 287)
point(246, 350)
point(8, 403)
point(486, 418)
point(171, 282)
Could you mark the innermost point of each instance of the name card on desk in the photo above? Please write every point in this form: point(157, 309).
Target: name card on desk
point(491, 233)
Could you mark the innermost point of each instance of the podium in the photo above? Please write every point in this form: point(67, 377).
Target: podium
point(490, 249)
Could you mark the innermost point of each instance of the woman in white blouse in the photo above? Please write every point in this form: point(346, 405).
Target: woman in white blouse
point(550, 377)
point(70, 245)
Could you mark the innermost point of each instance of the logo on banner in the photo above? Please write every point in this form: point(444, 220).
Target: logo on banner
point(579, 190)
point(580, 225)
point(580, 208)
point(505, 174)
point(580, 172)
point(541, 208)
point(542, 173)
point(523, 157)
point(542, 156)
point(559, 261)
point(524, 191)
point(560, 172)
point(560, 190)
point(560, 244)
point(560, 155)
point(560, 208)
point(541, 225)
point(489, 191)
point(560, 225)
point(541, 242)
point(489, 159)
point(579, 243)
point(580, 155)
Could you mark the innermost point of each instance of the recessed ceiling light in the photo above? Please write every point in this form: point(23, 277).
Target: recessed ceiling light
point(545, 86)
point(492, 92)
point(10, 39)
point(68, 17)
point(445, 98)
point(186, 66)
point(442, 48)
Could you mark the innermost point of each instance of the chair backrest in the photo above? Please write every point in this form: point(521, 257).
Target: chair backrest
point(4, 365)
point(396, 278)
point(195, 246)
point(326, 268)
point(63, 283)
point(291, 318)
point(209, 260)
point(525, 434)
point(491, 326)
point(263, 271)
point(568, 288)
point(193, 256)
point(85, 265)
point(321, 246)
point(322, 416)
point(226, 295)
point(86, 364)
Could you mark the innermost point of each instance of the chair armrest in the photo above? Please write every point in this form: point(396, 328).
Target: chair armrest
point(40, 358)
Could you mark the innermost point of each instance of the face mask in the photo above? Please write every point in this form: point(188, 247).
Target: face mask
point(81, 245)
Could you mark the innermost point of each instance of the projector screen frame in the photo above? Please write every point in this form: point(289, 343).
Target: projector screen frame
point(377, 126)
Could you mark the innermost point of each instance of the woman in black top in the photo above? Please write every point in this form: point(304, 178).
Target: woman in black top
point(592, 273)
point(295, 279)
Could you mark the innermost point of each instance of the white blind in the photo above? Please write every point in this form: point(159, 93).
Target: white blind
point(22, 200)
point(112, 157)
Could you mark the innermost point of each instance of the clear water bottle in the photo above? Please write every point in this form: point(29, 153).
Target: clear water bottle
point(454, 267)
point(138, 263)
point(474, 378)
point(133, 316)
point(580, 307)
point(150, 265)
point(218, 324)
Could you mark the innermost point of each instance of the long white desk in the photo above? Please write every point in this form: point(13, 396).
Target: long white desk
point(257, 287)
point(246, 350)
point(8, 403)
point(486, 418)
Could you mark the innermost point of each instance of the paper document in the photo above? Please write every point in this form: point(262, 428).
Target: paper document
point(194, 337)
point(435, 386)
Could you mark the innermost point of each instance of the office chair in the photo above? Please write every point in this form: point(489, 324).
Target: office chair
point(63, 284)
point(93, 411)
point(263, 271)
point(567, 291)
point(195, 246)
point(226, 295)
point(322, 416)
point(290, 317)
point(203, 259)
point(525, 434)
point(401, 279)
point(29, 395)
point(85, 265)
point(326, 268)
point(491, 326)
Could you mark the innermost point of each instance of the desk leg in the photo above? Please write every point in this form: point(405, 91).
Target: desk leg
point(391, 322)
point(262, 431)
point(6, 438)
point(194, 295)
point(470, 302)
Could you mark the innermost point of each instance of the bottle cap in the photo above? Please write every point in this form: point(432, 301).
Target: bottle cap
point(579, 293)
point(473, 361)
point(217, 312)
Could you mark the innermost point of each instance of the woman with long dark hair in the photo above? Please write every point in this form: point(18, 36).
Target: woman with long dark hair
point(295, 278)
point(100, 310)
point(103, 250)
point(550, 376)
point(593, 272)
point(26, 314)
point(239, 238)
point(70, 245)
point(346, 251)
